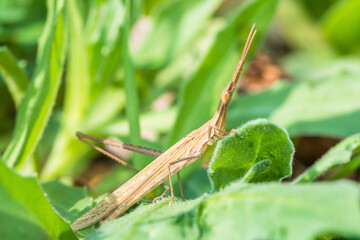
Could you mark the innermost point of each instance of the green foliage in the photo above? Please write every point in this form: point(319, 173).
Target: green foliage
point(217, 66)
point(320, 102)
point(132, 99)
point(88, 90)
point(103, 65)
point(295, 207)
point(338, 155)
point(25, 211)
point(68, 202)
point(343, 13)
point(299, 30)
point(39, 99)
point(252, 211)
point(177, 18)
point(259, 151)
point(13, 75)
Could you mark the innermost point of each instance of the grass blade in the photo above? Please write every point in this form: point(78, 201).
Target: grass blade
point(14, 76)
point(339, 155)
point(36, 107)
point(132, 102)
point(76, 96)
point(197, 103)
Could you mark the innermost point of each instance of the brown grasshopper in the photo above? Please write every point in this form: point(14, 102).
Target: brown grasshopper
point(183, 153)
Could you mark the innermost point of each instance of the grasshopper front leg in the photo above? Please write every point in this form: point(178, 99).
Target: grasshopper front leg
point(169, 170)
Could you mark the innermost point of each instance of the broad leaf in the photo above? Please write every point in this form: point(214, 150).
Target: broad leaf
point(251, 211)
point(68, 202)
point(258, 151)
point(338, 155)
point(256, 171)
point(25, 211)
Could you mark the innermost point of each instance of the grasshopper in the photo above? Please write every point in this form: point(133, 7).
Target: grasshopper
point(181, 154)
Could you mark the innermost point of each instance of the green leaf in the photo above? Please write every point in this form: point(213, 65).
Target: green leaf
point(131, 92)
point(314, 105)
point(149, 120)
point(13, 74)
point(349, 167)
point(291, 14)
point(196, 184)
point(25, 211)
point(77, 90)
point(78, 77)
point(338, 155)
point(184, 65)
point(343, 13)
point(94, 55)
point(112, 180)
point(252, 211)
point(22, 25)
point(104, 40)
point(36, 107)
point(94, 120)
point(201, 94)
point(258, 151)
point(172, 30)
point(68, 202)
point(256, 170)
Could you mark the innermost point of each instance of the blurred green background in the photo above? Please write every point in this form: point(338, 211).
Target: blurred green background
point(149, 72)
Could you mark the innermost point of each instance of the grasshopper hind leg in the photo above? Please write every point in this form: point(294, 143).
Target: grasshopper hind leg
point(83, 137)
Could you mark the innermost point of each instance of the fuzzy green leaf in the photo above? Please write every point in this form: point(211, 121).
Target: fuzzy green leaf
point(259, 151)
point(25, 211)
point(254, 171)
point(251, 211)
point(338, 155)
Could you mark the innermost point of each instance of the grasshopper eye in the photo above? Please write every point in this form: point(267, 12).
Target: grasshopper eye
point(225, 96)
